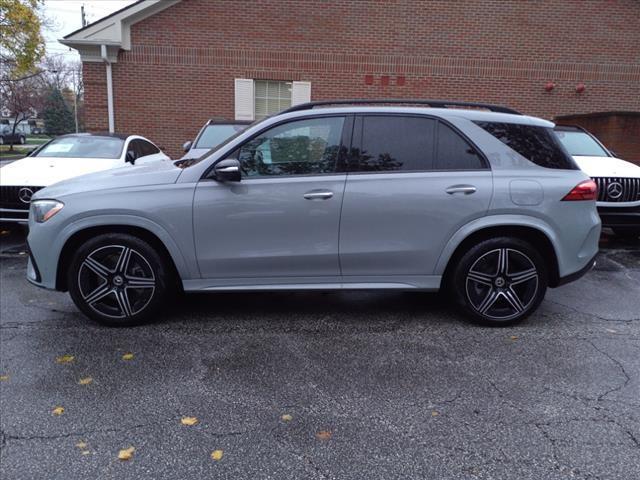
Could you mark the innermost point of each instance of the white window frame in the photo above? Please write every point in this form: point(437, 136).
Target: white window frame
point(245, 99)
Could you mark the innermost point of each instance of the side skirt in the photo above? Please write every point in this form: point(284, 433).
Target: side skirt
point(399, 282)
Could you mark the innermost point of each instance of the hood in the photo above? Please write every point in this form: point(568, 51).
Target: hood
point(44, 171)
point(607, 167)
point(154, 173)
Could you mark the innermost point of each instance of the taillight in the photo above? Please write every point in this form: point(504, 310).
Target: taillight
point(587, 190)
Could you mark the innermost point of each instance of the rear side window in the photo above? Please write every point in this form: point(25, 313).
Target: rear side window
point(391, 143)
point(537, 144)
point(454, 152)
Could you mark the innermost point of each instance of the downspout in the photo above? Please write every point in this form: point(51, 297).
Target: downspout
point(105, 58)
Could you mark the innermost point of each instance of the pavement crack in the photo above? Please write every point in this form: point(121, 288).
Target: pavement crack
point(618, 364)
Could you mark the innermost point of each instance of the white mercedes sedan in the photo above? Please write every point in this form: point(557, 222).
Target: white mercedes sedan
point(65, 157)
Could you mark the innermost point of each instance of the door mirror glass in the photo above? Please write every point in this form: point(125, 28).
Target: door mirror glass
point(227, 170)
point(186, 146)
point(130, 157)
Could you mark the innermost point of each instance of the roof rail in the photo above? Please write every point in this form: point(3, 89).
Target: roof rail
point(404, 101)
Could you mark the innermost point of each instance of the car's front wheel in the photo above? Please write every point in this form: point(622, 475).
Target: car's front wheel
point(500, 281)
point(118, 280)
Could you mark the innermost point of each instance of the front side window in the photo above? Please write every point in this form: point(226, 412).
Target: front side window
point(394, 143)
point(537, 144)
point(580, 144)
point(271, 97)
point(88, 146)
point(303, 147)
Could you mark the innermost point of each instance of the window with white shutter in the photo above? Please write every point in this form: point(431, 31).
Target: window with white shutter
point(257, 99)
point(244, 99)
point(300, 93)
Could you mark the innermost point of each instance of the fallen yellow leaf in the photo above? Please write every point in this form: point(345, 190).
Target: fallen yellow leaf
point(86, 452)
point(434, 413)
point(217, 455)
point(85, 381)
point(323, 435)
point(514, 337)
point(81, 445)
point(126, 453)
point(58, 411)
point(65, 359)
point(286, 417)
point(4, 378)
point(189, 420)
point(127, 356)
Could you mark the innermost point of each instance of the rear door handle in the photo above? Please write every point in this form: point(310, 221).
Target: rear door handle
point(466, 189)
point(318, 195)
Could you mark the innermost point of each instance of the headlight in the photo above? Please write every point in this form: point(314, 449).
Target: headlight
point(43, 210)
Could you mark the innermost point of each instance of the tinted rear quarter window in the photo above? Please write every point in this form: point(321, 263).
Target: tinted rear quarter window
point(454, 152)
point(537, 144)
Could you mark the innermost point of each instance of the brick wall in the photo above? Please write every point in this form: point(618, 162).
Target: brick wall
point(183, 60)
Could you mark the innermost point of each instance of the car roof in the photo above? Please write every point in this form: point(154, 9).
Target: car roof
point(121, 136)
point(222, 121)
point(475, 115)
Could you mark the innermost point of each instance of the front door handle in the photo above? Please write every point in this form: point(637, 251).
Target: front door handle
point(466, 189)
point(318, 195)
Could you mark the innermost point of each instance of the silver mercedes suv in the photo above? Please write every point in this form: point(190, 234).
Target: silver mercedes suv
point(390, 194)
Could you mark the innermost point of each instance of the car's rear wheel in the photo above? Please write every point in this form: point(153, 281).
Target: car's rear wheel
point(499, 282)
point(118, 280)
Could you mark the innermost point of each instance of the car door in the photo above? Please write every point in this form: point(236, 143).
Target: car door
point(413, 181)
point(280, 223)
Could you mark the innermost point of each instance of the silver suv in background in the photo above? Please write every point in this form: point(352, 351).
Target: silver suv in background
point(328, 196)
point(210, 136)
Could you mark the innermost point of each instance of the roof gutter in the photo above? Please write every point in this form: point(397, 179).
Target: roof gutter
point(105, 59)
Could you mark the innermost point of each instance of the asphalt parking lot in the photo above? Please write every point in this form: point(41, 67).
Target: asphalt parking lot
point(312, 385)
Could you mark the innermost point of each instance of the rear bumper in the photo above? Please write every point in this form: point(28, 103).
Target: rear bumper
point(580, 273)
point(620, 216)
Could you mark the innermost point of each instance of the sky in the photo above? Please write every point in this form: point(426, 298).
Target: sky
point(64, 17)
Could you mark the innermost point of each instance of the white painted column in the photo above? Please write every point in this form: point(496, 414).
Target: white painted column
point(103, 51)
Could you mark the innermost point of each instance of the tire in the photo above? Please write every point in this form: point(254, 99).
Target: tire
point(627, 232)
point(498, 294)
point(118, 280)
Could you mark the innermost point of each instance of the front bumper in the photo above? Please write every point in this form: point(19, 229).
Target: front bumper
point(14, 215)
point(620, 216)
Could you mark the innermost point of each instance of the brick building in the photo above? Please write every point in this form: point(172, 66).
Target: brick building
point(176, 63)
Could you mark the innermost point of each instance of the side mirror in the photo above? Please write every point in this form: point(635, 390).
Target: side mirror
point(130, 157)
point(227, 170)
point(186, 146)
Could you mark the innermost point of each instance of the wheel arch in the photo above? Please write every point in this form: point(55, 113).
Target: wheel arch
point(531, 234)
point(80, 236)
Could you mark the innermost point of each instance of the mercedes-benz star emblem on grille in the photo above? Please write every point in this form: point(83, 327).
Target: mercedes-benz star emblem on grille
point(25, 195)
point(614, 190)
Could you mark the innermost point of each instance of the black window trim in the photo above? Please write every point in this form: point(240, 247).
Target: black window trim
point(347, 128)
point(358, 124)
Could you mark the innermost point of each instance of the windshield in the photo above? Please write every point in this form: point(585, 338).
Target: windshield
point(83, 147)
point(581, 144)
point(214, 135)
